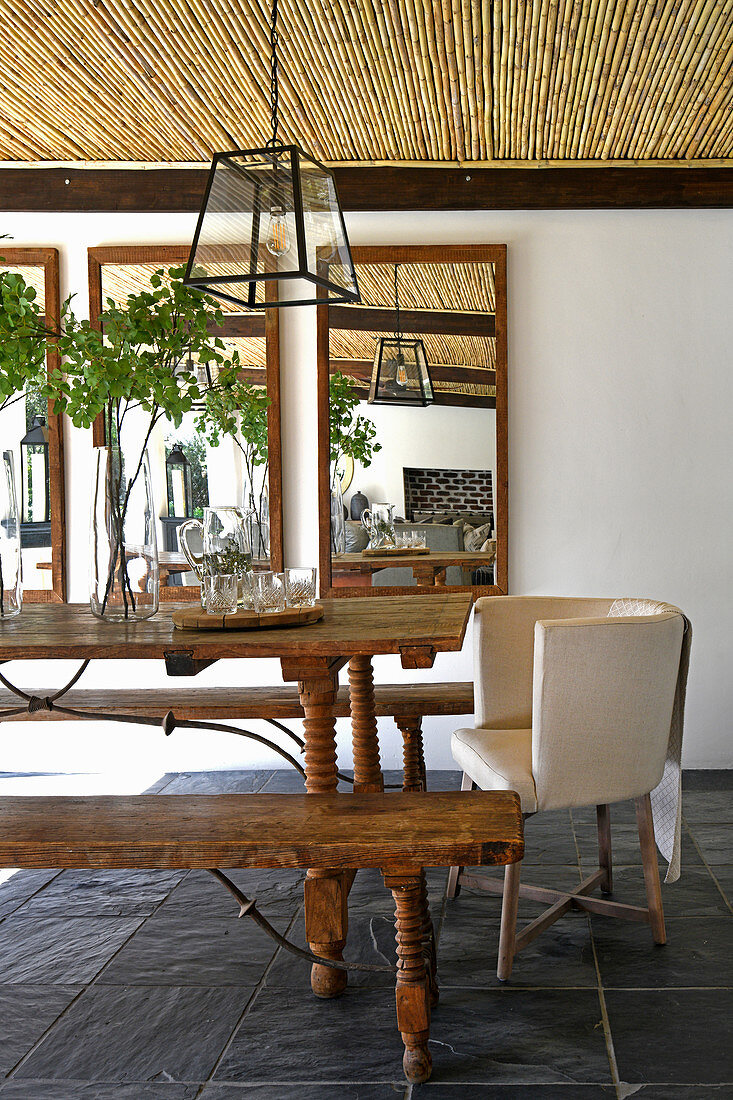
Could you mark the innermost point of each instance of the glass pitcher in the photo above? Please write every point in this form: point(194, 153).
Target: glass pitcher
point(220, 545)
point(379, 522)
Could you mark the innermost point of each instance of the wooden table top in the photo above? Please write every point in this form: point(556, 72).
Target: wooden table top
point(372, 625)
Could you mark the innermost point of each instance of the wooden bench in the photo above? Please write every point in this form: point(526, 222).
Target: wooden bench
point(407, 703)
point(400, 834)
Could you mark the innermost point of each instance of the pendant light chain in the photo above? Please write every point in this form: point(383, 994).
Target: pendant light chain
point(398, 332)
point(274, 88)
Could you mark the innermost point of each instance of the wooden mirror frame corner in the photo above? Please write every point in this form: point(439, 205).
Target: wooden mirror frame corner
point(476, 253)
point(166, 256)
point(48, 259)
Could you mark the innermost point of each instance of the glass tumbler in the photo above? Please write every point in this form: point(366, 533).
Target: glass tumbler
point(219, 593)
point(300, 587)
point(268, 592)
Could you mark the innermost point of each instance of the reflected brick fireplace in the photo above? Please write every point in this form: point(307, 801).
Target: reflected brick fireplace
point(432, 490)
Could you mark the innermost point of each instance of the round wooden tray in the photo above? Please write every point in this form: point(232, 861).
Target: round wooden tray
point(195, 618)
point(396, 552)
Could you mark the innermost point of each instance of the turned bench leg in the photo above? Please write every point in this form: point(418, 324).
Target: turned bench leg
point(413, 992)
point(413, 757)
point(365, 739)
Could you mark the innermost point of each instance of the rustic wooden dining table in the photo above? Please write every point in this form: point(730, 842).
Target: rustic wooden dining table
point(351, 633)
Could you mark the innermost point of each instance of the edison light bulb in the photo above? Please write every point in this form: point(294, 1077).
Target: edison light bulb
point(278, 239)
point(401, 375)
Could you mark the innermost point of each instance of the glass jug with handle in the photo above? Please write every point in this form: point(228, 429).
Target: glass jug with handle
point(219, 545)
point(379, 523)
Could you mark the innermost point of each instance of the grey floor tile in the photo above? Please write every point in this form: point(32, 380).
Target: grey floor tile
point(161, 783)
point(693, 895)
point(278, 892)
point(622, 813)
point(715, 807)
point(625, 848)
point(126, 1035)
point(711, 779)
point(103, 893)
point(513, 1036)
point(59, 951)
point(697, 953)
point(469, 942)
point(715, 841)
point(671, 1036)
point(175, 950)
point(681, 1092)
point(86, 1090)
point(549, 843)
point(25, 1013)
point(442, 1090)
point(223, 782)
point(724, 878)
point(21, 886)
point(314, 1090)
point(289, 1036)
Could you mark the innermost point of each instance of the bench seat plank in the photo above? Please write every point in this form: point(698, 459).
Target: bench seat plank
point(441, 829)
point(222, 703)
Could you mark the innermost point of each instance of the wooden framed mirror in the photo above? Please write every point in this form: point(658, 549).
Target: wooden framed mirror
point(219, 475)
point(442, 467)
point(35, 436)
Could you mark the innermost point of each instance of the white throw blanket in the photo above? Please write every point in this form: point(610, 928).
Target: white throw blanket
point(667, 796)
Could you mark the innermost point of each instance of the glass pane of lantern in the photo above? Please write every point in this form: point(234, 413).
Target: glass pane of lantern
point(400, 375)
point(327, 247)
point(247, 228)
point(272, 214)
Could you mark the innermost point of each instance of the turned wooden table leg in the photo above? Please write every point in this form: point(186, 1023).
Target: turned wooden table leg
point(413, 994)
point(428, 942)
point(326, 891)
point(367, 768)
point(413, 767)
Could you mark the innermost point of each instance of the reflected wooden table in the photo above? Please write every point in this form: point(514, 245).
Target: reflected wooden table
point(351, 632)
point(427, 569)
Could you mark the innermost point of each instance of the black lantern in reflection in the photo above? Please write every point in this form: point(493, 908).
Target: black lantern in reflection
point(401, 375)
point(271, 231)
point(35, 472)
point(178, 477)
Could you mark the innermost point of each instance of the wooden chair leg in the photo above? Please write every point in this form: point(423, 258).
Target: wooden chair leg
point(651, 868)
point(603, 817)
point(453, 889)
point(413, 1004)
point(508, 932)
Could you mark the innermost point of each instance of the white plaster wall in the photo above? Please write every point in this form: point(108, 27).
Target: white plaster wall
point(620, 397)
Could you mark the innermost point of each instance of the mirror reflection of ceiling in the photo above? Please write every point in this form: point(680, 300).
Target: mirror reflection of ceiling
point(119, 281)
point(364, 80)
point(460, 295)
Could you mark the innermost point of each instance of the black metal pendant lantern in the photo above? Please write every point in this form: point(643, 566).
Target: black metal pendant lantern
point(179, 483)
point(401, 375)
point(271, 217)
point(35, 472)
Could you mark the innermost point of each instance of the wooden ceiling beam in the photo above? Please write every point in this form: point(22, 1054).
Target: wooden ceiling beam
point(421, 321)
point(159, 190)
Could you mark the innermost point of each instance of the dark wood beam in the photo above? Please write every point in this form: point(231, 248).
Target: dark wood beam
point(240, 324)
point(383, 188)
point(362, 370)
point(421, 321)
point(442, 397)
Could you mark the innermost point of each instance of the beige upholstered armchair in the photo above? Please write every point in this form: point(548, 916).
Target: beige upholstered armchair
point(578, 702)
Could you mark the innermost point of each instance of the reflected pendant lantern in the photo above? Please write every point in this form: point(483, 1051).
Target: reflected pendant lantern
point(401, 375)
point(271, 231)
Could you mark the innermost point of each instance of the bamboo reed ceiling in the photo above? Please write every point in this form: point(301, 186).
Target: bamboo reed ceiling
point(466, 287)
point(369, 80)
point(458, 351)
point(119, 281)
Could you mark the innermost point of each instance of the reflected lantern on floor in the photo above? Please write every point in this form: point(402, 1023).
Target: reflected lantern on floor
point(400, 375)
point(271, 232)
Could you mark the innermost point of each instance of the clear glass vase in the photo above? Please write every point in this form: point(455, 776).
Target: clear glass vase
point(11, 587)
point(259, 523)
point(124, 576)
point(338, 527)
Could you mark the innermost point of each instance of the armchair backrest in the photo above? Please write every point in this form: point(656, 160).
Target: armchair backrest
point(504, 652)
point(603, 693)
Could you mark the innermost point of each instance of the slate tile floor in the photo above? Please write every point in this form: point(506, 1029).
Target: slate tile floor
point(144, 986)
